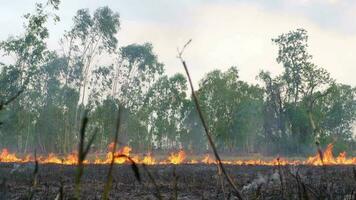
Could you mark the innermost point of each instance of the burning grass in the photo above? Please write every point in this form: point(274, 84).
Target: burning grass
point(180, 157)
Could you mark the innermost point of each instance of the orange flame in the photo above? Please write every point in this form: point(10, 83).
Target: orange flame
point(149, 159)
point(5, 156)
point(176, 158)
point(118, 160)
point(329, 159)
point(208, 160)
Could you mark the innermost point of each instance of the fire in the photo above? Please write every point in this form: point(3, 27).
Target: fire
point(193, 162)
point(72, 159)
point(5, 156)
point(176, 158)
point(329, 159)
point(126, 150)
point(208, 160)
point(149, 159)
point(123, 151)
point(51, 158)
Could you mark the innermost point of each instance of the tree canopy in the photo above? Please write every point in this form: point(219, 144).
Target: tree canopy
point(282, 114)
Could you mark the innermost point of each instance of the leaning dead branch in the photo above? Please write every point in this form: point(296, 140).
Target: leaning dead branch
point(15, 96)
point(11, 99)
point(206, 129)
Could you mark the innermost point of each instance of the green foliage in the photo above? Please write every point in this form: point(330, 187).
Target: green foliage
point(233, 108)
point(298, 103)
point(137, 69)
point(24, 74)
point(164, 109)
point(91, 36)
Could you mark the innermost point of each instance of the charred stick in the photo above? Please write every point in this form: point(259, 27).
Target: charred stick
point(133, 166)
point(82, 153)
point(109, 179)
point(280, 177)
point(34, 179)
point(206, 129)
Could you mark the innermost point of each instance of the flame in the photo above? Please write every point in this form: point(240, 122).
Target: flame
point(72, 159)
point(149, 159)
point(329, 159)
point(208, 160)
point(193, 161)
point(126, 150)
point(51, 158)
point(177, 158)
point(5, 156)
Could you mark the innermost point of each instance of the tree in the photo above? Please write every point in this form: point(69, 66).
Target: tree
point(164, 106)
point(192, 136)
point(103, 120)
point(136, 70)
point(127, 83)
point(231, 105)
point(30, 53)
point(336, 114)
point(90, 37)
point(291, 97)
point(100, 84)
point(292, 53)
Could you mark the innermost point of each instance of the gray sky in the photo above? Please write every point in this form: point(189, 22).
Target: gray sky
point(225, 32)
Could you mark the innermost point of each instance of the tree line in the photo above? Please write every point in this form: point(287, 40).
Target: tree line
point(283, 114)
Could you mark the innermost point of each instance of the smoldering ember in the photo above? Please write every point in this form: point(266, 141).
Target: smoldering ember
point(147, 99)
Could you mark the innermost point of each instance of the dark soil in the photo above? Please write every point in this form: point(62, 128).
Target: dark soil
point(196, 181)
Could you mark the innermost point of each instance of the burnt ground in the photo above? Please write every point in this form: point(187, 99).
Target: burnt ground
point(196, 181)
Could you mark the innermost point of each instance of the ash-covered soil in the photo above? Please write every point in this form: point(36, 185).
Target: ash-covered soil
point(196, 181)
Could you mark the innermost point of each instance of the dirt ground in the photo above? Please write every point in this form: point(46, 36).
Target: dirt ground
point(196, 181)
